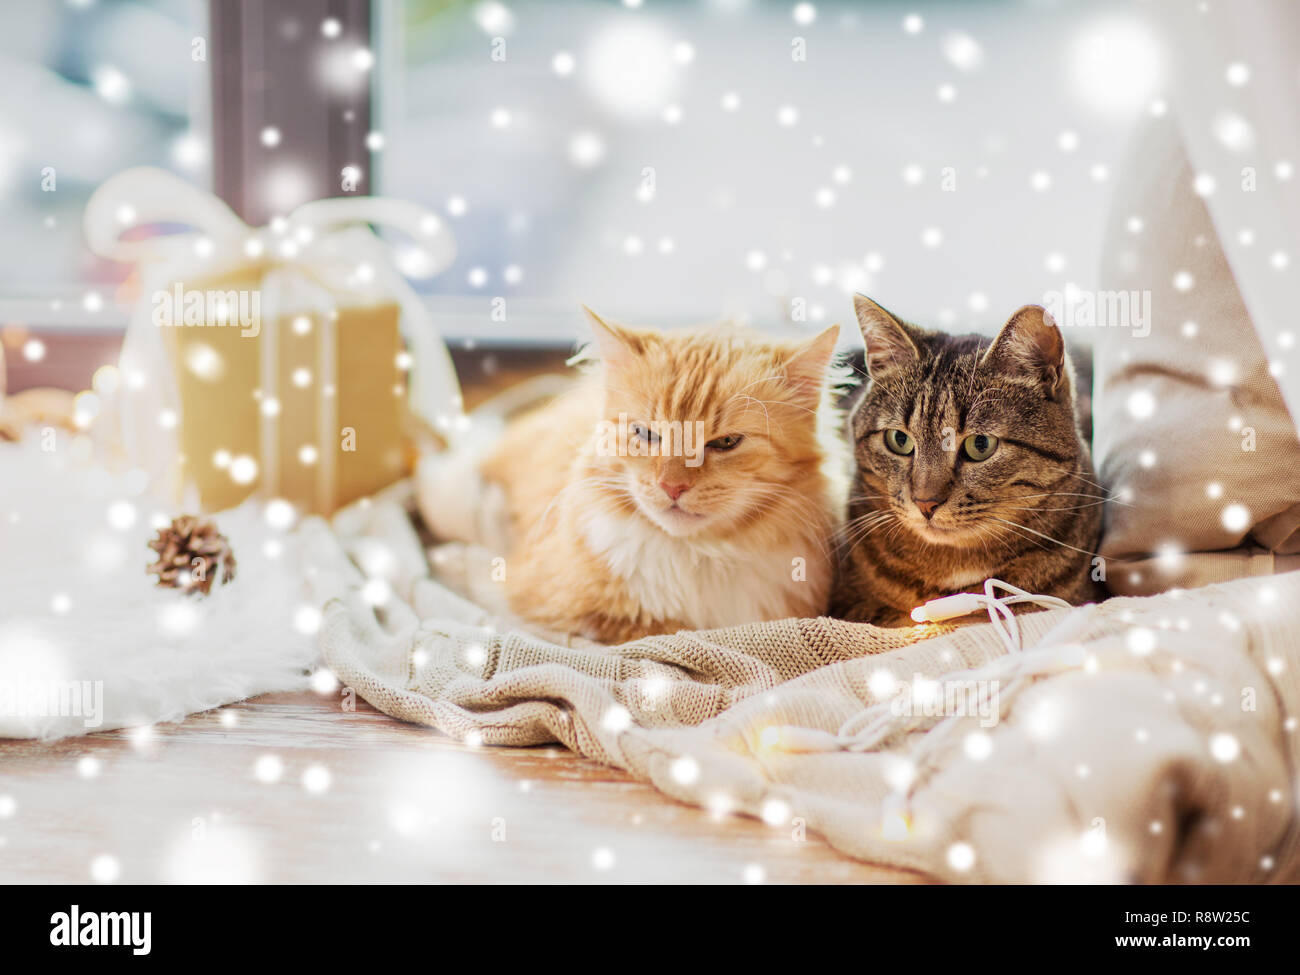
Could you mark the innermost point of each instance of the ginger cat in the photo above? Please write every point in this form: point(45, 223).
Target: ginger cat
point(687, 480)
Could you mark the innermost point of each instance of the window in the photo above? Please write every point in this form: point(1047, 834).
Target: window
point(92, 88)
point(674, 162)
point(665, 163)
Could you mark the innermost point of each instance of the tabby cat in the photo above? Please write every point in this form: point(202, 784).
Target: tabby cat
point(688, 480)
point(969, 465)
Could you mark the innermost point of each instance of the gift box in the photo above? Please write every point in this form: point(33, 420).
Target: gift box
point(311, 408)
point(290, 362)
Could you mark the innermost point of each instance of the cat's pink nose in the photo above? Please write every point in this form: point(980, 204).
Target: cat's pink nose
point(673, 491)
point(927, 507)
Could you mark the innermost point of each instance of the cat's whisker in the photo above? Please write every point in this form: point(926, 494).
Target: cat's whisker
point(850, 527)
point(896, 529)
point(775, 377)
point(974, 369)
point(986, 533)
point(1063, 507)
point(847, 540)
point(767, 416)
point(866, 516)
point(863, 520)
point(786, 404)
point(881, 519)
point(1055, 541)
point(850, 543)
point(984, 547)
point(986, 396)
point(975, 507)
point(1086, 480)
point(1037, 543)
point(870, 513)
point(1072, 494)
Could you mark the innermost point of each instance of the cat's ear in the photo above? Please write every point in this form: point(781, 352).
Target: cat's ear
point(1030, 343)
point(805, 369)
point(889, 345)
point(615, 346)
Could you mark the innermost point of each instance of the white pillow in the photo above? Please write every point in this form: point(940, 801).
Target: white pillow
point(1192, 437)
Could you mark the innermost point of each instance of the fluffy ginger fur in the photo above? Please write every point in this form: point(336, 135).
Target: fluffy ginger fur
point(599, 545)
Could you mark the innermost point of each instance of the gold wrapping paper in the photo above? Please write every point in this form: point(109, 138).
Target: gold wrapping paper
point(311, 408)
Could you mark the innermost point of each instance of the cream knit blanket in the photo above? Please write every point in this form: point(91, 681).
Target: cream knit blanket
point(1144, 739)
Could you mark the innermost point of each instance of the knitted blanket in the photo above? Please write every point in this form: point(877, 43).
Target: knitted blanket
point(1139, 740)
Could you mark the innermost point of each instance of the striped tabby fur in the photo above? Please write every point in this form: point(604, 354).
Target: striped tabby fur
point(1029, 513)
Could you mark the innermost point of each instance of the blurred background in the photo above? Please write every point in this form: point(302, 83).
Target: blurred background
point(663, 161)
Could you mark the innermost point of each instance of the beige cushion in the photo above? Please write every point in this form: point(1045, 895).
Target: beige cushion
point(1192, 436)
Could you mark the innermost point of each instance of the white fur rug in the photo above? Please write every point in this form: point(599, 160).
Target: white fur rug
point(88, 642)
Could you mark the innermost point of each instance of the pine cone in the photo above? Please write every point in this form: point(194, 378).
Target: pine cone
point(192, 555)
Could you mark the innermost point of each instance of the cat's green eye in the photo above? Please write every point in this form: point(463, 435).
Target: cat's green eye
point(979, 446)
point(643, 432)
point(900, 442)
point(730, 442)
